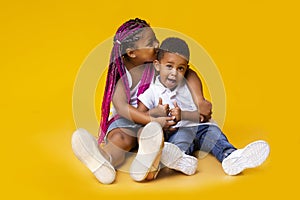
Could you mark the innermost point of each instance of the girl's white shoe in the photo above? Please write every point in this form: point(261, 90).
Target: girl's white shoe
point(85, 147)
point(151, 142)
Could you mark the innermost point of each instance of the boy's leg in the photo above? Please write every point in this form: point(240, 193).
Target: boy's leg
point(209, 138)
point(253, 155)
point(183, 137)
point(173, 155)
point(173, 158)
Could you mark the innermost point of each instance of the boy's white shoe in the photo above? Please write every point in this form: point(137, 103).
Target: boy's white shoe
point(253, 155)
point(173, 158)
point(151, 142)
point(85, 147)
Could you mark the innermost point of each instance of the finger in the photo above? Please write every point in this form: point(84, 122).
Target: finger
point(170, 118)
point(201, 118)
point(160, 101)
point(175, 104)
point(167, 106)
point(171, 123)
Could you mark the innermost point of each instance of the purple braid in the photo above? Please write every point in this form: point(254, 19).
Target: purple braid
point(125, 37)
point(146, 79)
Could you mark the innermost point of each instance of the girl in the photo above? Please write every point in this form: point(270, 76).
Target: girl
point(130, 73)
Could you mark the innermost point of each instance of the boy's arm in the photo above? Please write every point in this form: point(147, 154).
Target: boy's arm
point(160, 110)
point(148, 101)
point(154, 112)
point(195, 85)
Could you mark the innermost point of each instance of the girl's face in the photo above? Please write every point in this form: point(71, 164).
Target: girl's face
point(145, 48)
point(172, 68)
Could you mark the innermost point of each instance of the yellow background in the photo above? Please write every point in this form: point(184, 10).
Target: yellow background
point(255, 45)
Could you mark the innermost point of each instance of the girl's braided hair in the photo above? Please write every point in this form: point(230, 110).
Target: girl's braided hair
point(125, 37)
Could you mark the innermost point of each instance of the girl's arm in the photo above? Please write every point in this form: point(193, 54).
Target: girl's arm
point(126, 110)
point(195, 85)
point(141, 107)
point(193, 116)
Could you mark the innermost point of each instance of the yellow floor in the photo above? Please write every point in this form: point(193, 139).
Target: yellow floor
point(255, 45)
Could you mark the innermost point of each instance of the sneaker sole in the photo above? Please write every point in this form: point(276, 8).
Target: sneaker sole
point(253, 155)
point(86, 149)
point(151, 142)
point(173, 158)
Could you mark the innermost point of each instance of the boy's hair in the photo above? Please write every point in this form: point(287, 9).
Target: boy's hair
point(125, 37)
point(174, 45)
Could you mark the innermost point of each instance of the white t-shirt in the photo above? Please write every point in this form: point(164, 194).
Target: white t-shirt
point(181, 94)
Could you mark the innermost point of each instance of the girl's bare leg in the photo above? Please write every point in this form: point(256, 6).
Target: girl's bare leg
point(120, 141)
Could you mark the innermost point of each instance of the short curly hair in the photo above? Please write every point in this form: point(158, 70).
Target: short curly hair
point(174, 45)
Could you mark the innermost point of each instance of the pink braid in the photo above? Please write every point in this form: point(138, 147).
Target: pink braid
point(117, 70)
point(146, 78)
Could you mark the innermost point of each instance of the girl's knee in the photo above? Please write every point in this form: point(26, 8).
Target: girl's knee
point(122, 139)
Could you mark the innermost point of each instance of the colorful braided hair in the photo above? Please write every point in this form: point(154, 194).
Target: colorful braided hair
point(125, 37)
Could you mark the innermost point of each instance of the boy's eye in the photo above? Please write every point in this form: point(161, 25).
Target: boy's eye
point(169, 66)
point(180, 69)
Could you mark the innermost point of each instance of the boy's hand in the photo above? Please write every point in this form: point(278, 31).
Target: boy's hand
point(205, 108)
point(176, 112)
point(161, 110)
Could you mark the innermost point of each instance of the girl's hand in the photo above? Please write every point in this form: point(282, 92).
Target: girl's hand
point(165, 122)
point(205, 108)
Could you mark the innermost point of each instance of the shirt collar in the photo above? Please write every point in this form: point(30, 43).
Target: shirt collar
point(162, 89)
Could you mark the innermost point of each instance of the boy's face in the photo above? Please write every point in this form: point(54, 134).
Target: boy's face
point(172, 68)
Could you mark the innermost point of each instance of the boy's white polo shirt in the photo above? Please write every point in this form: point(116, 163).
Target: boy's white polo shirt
point(181, 94)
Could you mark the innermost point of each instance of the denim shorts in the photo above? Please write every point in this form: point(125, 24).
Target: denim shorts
point(123, 123)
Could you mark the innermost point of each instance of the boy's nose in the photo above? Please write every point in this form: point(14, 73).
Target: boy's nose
point(174, 72)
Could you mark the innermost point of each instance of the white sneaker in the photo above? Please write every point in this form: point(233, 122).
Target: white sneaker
point(173, 158)
point(85, 147)
point(151, 142)
point(253, 155)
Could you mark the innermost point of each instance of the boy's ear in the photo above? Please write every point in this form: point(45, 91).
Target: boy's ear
point(130, 52)
point(156, 65)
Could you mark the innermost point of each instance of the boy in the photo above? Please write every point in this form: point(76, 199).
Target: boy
point(170, 96)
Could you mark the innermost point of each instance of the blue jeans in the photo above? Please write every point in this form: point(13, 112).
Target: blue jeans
point(183, 137)
point(210, 139)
